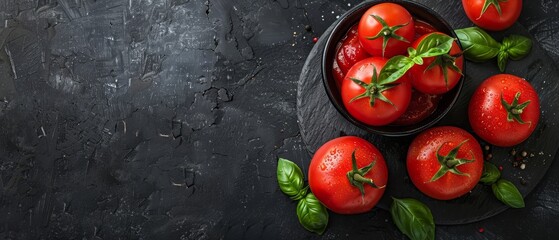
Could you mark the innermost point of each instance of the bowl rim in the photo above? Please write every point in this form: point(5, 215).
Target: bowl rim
point(327, 76)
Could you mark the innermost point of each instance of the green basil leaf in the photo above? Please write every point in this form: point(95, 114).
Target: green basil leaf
point(290, 179)
point(516, 46)
point(434, 44)
point(507, 193)
point(312, 214)
point(490, 173)
point(394, 69)
point(477, 44)
point(413, 218)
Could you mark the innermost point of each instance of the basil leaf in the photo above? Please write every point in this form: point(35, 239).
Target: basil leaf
point(490, 173)
point(507, 193)
point(478, 45)
point(394, 69)
point(312, 214)
point(413, 218)
point(516, 46)
point(434, 44)
point(290, 179)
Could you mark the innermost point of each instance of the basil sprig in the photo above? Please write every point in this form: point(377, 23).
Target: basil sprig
point(490, 173)
point(479, 46)
point(504, 190)
point(312, 215)
point(413, 218)
point(435, 44)
point(507, 193)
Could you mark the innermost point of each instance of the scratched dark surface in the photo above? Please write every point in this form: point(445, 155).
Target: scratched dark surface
point(156, 119)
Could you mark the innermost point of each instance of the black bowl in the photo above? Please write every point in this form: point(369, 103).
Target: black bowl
point(352, 17)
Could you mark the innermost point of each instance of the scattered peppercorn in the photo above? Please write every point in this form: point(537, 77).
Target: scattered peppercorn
point(524, 154)
point(522, 166)
point(489, 156)
point(523, 181)
point(513, 152)
point(500, 168)
point(481, 230)
point(308, 28)
point(487, 147)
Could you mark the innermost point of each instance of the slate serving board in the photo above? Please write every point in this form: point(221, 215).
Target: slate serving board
point(319, 122)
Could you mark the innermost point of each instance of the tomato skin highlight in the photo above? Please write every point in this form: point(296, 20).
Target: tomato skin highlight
point(432, 81)
point(422, 163)
point(328, 175)
point(382, 113)
point(488, 117)
point(491, 20)
point(393, 14)
point(350, 51)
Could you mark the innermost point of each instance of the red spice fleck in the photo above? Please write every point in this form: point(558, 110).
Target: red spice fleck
point(314, 39)
point(481, 230)
point(500, 168)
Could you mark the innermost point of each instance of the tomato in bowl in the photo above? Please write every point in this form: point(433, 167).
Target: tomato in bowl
point(331, 78)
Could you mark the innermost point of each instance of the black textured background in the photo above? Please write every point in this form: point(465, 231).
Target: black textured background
point(163, 119)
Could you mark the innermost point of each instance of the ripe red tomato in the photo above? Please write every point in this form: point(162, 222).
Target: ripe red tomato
point(339, 185)
point(421, 106)
point(374, 104)
point(422, 28)
point(491, 19)
point(504, 110)
point(386, 29)
point(445, 162)
point(430, 76)
point(350, 51)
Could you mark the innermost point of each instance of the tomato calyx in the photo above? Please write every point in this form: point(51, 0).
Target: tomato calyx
point(445, 62)
point(514, 110)
point(373, 90)
point(495, 3)
point(387, 32)
point(357, 175)
point(450, 162)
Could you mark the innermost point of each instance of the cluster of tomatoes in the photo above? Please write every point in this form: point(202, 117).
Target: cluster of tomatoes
point(349, 174)
point(384, 31)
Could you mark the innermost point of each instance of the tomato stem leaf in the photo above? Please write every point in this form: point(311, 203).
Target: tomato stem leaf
point(357, 175)
point(450, 162)
point(486, 5)
point(514, 110)
point(387, 32)
point(373, 90)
